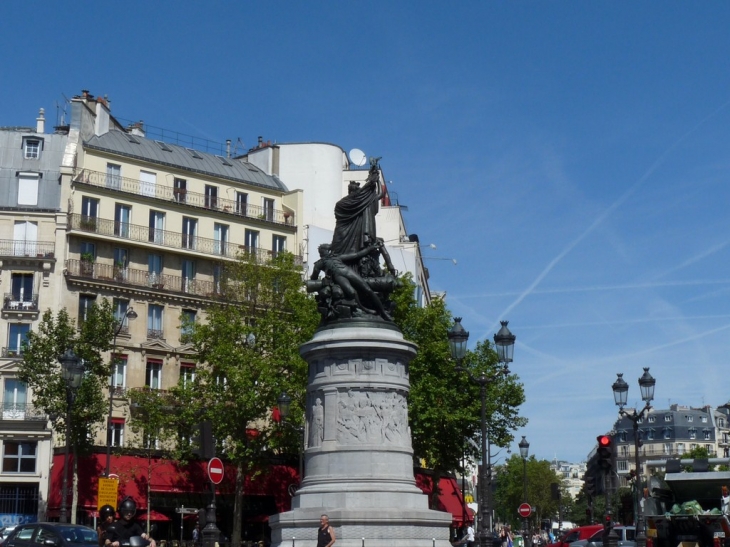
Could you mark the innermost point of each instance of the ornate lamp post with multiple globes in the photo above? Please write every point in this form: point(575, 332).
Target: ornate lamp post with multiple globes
point(72, 371)
point(504, 342)
point(620, 396)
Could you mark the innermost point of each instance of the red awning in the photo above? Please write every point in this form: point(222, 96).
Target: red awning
point(450, 498)
point(154, 515)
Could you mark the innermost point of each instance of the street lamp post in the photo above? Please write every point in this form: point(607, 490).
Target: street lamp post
point(504, 342)
point(72, 371)
point(524, 452)
point(620, 395)
point(131, 315)
point(284, 405)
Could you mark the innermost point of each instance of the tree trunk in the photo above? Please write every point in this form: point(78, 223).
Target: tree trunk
point(238, 506)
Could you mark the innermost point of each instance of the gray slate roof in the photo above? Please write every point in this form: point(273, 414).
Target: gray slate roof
point(178, 157)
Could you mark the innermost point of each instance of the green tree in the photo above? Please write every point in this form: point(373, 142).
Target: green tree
point(444, 405)
point(41, 371)
point(510, 490)
point(697, 453)
point(249, 345)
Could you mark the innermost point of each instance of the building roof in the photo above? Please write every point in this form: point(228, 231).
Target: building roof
point(179, 157)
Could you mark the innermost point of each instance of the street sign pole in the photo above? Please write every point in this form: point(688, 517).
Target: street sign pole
point(211, 533)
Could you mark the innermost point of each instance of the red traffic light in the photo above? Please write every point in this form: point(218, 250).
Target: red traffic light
point(603, 441)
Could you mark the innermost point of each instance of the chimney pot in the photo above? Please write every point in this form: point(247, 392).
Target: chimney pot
point(40, 125)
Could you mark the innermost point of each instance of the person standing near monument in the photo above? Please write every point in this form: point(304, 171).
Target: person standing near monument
point(325, 532)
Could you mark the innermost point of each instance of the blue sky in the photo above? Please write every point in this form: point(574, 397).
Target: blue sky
point(571, 156)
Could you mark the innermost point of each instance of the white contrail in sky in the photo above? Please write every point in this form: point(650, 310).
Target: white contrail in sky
point(599, 220)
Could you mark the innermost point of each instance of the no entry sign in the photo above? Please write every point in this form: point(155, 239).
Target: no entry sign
point(215, 470)
point(524, 510)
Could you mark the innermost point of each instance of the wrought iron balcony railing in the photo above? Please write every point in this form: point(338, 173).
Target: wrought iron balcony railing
point(183, 196)
point(22, 411)
point(141, 278)
point(21, 247)
point(165, 238)
point(17, 302)
point(12, 353)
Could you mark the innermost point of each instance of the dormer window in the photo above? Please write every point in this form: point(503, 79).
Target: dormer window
point(690, 418)
point(667, 417)
point(32, 147)
point(652, 419)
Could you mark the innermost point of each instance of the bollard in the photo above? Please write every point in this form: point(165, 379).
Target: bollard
point(434, 542)
point(363, 542)
point(293, 540)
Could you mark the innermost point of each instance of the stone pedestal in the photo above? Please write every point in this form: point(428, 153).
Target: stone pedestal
point(358, 456)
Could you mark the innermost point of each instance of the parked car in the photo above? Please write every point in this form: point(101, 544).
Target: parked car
point(577, 534)
point(51, 534)
point(626, 538)
point(5, 532)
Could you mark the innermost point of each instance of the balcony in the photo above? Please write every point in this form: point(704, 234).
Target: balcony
point(22, 411)
point(11, 353)
point(23, 248)
point(166, 238)
point(20, 303)
point(183, 197)
point(140, 278)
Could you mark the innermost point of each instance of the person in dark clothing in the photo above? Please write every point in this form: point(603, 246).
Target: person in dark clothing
point(325, 532)
point(118, 533)
point(106, 518)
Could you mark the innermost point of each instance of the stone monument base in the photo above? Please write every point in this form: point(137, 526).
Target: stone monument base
point(368, 527)
point(359, 458)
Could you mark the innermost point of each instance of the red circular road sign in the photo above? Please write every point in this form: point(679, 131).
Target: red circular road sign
point(215, 470)
point(524, 510)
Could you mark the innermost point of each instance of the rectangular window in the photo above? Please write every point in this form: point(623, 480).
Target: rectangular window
point(667, 417)
point(622, 465)
point(154, 321)
point(220, 233)
point(88, 250)
point(707, 435)
point(121, 264)
point(187, 321)
point(154, 374)
point(31, 148)
point(217, 278)
point(154, 271)
point(268, 209)
point(17, 336)
point(25, 235)
point(113, 176)
point(690, 418)
point(278, 244)
point(667, 433)
point(89, 213)
point(650, 435)
point(188, 276)
point(692, 433)
point(189, 233)
point(667, 448)
point(148, 183)
point(652, 419)
point(119, 377)
point(21, 286)
point(252, 240)
point(680, 448)
point(157, 227)
point(28, 188)
point(85, 303)
point(241, 203)
point(19, 456)
point(120, 314)
point(122, 218)
point(180, 189)
point(14, 399)
point(115, 437)
point(211, 196)
point(187, 374)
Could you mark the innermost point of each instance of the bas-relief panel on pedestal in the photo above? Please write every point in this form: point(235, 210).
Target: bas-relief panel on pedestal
point(372, 417)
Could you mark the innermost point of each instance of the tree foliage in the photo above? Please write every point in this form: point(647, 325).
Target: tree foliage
point(249, 346)
point(510, 490)
point(444, 405)
point(41, 369)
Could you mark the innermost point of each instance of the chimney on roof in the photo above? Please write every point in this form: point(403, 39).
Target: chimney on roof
point(137, 128)
point(228, 148)
point(261, 141)
point(40, 122)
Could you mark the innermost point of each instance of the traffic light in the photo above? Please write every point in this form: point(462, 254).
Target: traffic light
point(589, 482)
point(203, 444)
point(605, 453)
